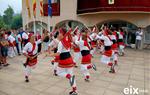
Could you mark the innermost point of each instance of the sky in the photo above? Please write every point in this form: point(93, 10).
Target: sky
point(15, 4)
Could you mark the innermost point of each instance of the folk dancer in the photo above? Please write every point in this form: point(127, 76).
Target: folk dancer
point(53, 46)
point(30, 50)
point(12, 50)
point(86, 56)
point(108, 53)
point(66, 64)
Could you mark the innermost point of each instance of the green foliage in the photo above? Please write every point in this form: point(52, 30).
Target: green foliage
point(16, 22)
point(10, 20)
point(2, 24)
point(8, 15)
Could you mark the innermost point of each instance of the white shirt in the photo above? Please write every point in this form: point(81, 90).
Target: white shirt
point(107, 41)
point(120, 35)
point(112, 37)
point(25, 36)
point(81, 45)
point(75, 38)
point(11, 39)
point(93, 36)
point(61, 48)
point(54, 43)
point(139, 35)
point(28, 48)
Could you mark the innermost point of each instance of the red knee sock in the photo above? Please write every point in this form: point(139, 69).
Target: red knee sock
point(87, 77)
point(89, 67)
point(68, 76)
point(74, 88)
point(110, 64)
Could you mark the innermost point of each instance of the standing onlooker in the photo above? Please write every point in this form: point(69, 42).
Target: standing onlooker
point(139, 35)
point(0, 51)
point(18, 43)
point(12, 51)
point(4, 49)
point(45, 40)
point(25, 37)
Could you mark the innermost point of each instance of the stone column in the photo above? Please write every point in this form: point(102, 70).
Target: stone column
point(143, 38)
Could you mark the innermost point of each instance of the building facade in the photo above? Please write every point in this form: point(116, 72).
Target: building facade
point(129, 14)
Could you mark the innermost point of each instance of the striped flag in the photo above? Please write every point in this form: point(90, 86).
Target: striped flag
point(34, 8)
point(49, 8)
point(41, 8)
point(28, 8)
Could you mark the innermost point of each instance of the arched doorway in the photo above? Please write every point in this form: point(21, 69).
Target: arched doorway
point(39, 26)
point(129, 29)
point(70, 23)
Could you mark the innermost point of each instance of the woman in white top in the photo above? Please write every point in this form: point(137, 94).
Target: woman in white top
point(30, 50)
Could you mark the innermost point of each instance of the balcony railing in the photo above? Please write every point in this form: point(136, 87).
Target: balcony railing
point(87, 6)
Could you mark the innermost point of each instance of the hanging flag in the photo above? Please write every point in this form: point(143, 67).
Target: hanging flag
point(41, 8)
point(28, 8)
point(111, 1)
point(49, 8)
point(34, 8)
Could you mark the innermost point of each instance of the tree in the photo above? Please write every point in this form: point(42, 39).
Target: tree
point(16, 22)
point(8, 16)
point(2, 24)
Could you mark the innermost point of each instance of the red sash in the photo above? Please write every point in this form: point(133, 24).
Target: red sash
point(86, 44)
point(93, 43)
point(33, 48)
point(76, 48)
point(12, 44)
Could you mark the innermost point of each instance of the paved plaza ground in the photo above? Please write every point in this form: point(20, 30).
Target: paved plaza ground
point(133, 70)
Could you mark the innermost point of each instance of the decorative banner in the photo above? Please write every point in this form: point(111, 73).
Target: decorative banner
point(111, 1)
point(28, 8)
point(41, 8)
point(34, 8)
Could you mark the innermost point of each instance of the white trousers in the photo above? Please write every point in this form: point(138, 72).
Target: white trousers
point(55, 65)
point(63, 72)
point(77, 56)
point(28, 70)
point(115, 57)
point(121, 48)
point(85, 70)
point(12, 51)
point(105, 59)
point(93, 51)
